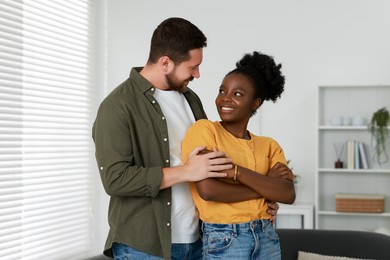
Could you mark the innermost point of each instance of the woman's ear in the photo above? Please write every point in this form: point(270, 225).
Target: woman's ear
point(256, 104)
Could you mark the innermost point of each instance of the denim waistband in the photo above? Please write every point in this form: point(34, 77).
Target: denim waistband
point(254, 224)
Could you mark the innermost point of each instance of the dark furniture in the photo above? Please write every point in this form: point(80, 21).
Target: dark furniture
point(356, 244)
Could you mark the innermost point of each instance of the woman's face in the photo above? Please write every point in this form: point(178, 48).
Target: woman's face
point(235, 100)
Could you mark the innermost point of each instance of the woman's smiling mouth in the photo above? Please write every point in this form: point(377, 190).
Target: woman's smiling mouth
point(227, 108)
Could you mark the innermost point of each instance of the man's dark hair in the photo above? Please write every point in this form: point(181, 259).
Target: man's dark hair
point(175, 37)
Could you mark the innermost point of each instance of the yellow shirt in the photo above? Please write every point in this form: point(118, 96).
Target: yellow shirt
point(258, 154)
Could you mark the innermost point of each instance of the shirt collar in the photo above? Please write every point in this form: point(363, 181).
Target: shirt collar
point(143, 84)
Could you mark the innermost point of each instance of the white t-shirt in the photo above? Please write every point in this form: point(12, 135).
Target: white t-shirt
point(179, 117)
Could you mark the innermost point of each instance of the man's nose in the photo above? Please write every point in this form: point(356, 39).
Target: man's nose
point(196, 73)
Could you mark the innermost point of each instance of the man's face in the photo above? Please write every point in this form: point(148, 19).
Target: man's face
point(181, 75)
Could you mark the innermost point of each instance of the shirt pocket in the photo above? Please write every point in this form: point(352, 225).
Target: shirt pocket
point(262, 165)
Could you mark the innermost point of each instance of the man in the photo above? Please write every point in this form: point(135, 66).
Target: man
point(137, 133)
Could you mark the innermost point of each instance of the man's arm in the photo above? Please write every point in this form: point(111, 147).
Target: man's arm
point(198, 167)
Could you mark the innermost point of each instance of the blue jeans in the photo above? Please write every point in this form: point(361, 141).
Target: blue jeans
point(125, 252)
point(252, 240)
point(192, 251)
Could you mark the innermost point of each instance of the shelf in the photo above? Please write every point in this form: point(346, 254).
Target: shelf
point(349, 102)
point(370, 171)
point(336, 213)
point(345, 128)
point(338, 87)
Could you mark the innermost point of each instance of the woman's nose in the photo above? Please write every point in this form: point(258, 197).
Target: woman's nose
point(226, 97)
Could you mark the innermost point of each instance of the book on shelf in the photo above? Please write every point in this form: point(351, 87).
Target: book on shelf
point(356, 155)
point(350, 154)
point(363, 156)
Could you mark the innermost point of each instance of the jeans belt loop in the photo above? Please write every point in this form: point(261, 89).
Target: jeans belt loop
point(234, 230)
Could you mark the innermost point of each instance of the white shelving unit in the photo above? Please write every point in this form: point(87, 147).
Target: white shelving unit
point(349, 101)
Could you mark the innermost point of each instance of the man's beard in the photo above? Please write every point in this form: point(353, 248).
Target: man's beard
point(175, 84)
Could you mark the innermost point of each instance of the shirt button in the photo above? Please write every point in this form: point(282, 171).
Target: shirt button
point(165, 139)
point(101, 167)
point(168, 203)
point(163, 118)
point(152, 89)
point(154, 101)
point(168, 224)
point(167, 161)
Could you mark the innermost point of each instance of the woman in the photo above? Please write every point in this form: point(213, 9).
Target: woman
point(236, 224)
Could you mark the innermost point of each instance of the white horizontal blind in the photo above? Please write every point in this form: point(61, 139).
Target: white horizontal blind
point(45, 50)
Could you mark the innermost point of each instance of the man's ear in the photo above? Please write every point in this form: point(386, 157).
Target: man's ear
point(166, 64)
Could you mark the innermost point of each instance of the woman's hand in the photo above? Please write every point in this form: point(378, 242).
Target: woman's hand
point(273, 208)
point(280, 170)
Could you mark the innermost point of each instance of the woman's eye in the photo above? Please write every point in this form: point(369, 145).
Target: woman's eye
point(238, 94)
point(220, 91)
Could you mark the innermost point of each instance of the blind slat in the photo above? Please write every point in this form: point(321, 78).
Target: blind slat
point(45, 75)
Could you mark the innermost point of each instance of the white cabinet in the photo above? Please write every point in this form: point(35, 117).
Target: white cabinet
point(337, 104)
point(295, 216)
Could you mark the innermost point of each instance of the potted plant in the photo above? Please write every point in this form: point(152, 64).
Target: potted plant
point(379, 132)
point(295, 176)
point(297, 185)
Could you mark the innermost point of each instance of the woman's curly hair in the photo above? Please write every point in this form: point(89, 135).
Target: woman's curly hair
point(265, 74)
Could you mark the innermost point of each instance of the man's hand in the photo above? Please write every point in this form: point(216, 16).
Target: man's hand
point(273, 208)
point(280, 170)
point(203, 163)
point(206, 151)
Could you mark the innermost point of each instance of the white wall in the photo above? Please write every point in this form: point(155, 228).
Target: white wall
point(340, 42)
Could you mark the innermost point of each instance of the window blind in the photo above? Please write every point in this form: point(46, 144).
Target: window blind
point(45, 64)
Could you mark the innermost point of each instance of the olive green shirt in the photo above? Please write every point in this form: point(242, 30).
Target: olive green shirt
point(131, 140)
